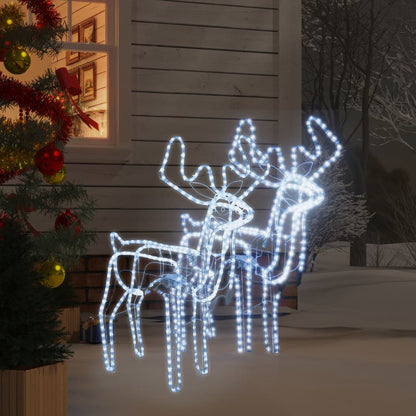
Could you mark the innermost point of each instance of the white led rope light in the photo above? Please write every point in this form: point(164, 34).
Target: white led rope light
point(195, 268)
point(184, 270)
point(295, 195)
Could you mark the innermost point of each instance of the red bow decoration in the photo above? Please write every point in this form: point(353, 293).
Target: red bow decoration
point(70, 85)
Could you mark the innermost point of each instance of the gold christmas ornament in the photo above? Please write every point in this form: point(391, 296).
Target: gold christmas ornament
point(17, 60)
point(56, 178)
point(53, 272)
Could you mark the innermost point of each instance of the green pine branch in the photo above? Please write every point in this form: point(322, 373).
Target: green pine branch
point(30, 334)
point(32, 195)
point(44, 41)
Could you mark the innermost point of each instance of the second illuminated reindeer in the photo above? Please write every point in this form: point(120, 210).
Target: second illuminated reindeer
point(279, 247)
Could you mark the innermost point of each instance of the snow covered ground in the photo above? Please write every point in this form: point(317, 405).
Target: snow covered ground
point(391, 255)
point(350, 349)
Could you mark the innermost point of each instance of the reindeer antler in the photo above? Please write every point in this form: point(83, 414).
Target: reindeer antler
point(277, 170)
point(254, 159)
point(317, 153)
point(198, 173)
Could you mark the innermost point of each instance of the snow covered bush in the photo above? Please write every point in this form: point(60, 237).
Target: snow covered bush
point(342, 216)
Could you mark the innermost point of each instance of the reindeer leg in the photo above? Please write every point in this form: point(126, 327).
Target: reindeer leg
point(211, 327)
point(103, 323)
point(203, 369)
point(173, 337)
point(238, 313)
point(133, 311)
point(275, 323)
point(246, 275)
point(182, 317)
point(265, 307)
point(107, 325)
point(238, 307)
point(131, 315)
point(138, 327)
point(108, 341)
point(249, 318)
point(207, 312)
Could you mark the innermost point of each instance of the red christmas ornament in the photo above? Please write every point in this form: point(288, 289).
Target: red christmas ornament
point(49, 160)
point(67, 220)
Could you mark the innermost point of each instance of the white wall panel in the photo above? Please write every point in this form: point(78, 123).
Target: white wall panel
point(230, 39)
point(188, 82)
point(193, 59)
point(196, 129)
point(194, 13)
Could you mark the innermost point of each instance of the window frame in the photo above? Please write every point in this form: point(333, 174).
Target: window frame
point(116, 146)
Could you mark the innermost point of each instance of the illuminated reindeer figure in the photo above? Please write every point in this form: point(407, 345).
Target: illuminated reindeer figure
point(253, 163)
point(285, 234)
point(183, 270)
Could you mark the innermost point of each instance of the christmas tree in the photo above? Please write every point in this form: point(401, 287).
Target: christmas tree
point(39, 209)
point(28, 320)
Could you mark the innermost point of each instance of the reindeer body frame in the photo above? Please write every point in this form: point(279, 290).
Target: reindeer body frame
point(193, 271)
point(296, 194)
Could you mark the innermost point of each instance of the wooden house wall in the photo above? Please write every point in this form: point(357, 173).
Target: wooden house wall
point(198, 67)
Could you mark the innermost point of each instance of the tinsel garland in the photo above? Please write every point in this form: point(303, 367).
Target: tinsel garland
point(44, 105)
point(45, 12)
point(7, 175)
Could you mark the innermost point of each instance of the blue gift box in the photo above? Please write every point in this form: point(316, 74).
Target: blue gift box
point(90, 332)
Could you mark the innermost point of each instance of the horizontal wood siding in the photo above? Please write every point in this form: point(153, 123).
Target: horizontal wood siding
point(198, 67)
point(208, 14)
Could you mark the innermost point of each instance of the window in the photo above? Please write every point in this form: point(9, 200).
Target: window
point(96, 41)
point(97, 48)
point(86, 53)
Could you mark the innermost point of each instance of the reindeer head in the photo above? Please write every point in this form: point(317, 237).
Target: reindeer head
point(296, 193)
point(226, 211)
